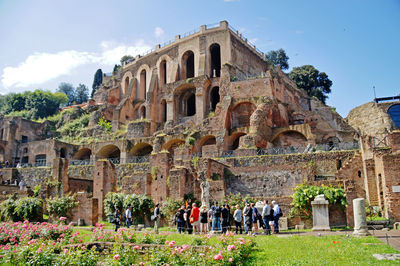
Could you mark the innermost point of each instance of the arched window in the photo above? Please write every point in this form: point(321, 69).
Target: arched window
point(215, 52)
point(143, 112)
point(62, 153)
point(190, 104)
point(394, 112)
point(142, 93)
point(126, 84)
point(163, 72)
point(214, 98)
point(188, 65)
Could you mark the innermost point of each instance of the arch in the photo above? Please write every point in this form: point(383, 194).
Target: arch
point(289, 138)
point(142, 85)
point(83, 154)
point(215, 58)
point(172, 144)
point(126, 79)
point(62, 153)
point(214, 98)
point(163, 111)
point(108, 151)
point(394, 113)
point(163, 72)
point(206, 140)
point(241, 113)
point(233, 142)
point(141, 149)
point(142, 112)
point(185, 101)
point(187, 65)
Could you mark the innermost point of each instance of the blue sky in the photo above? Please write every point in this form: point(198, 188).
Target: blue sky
point(45, 42)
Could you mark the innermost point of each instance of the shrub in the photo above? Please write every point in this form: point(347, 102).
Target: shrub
point(234, 199)
point(304, 194)
point(105, 124)
point(28, 208)
point(60, 207)
point(190, 141)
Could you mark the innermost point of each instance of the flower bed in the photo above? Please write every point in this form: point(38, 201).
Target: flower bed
point(47, 244)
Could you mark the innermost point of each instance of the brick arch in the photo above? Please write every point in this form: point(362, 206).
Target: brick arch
point(168, 61)
point(185, 72)
point(289, 138)
point(83, 154)
point(141, 149)
point(109, 151)
point(232, 143)
point(125, 85)
point(205, 140)
point(240, 114)
point(141, 94)
point(171, 143)
point(181, 98)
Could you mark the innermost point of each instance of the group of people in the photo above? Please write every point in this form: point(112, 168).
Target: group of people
point(219, 218)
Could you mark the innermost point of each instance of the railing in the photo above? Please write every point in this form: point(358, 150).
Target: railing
point(212, 25)
point(138, 159)
point(380, 142)
point(114, 160)
point(186, 34)
point(80, 162)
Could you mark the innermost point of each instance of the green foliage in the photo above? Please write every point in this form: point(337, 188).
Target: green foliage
point(278, 58)
point(210, 114)
point(141, 204)
point(234, 199)
point(36, 191)
point(116, 69)
point(195, 161)
point(190, 141)
point(69, 90)
point(27, 208)
point(154, 171)
point(315, 83)
point(97, 80)
point(81, 94)
point(126, 58)
point(60, 206)
point(105, 124)
point(170, 207)
point(304, 194)
point(73, 127)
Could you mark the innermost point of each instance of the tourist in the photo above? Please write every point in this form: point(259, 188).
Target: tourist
point(266, 215)
point(237, 217)
point(128, 216)
point(180, 220)
point(277, 214)
point(21, 184)
point(210, 216)
point(187, 219)
point(247, 217)
point(117, 219)
point(216, 217)
point(156, 216)
point(203, 219)
point(194, 218)
point(255, 218)
point(229, 217)
point(225, 218)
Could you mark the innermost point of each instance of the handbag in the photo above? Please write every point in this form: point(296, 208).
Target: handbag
point(153, 217)
point(191, 220)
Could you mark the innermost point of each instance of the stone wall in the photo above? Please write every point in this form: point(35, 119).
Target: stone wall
point(34, 175)
point(81, 171)
point(87, 209)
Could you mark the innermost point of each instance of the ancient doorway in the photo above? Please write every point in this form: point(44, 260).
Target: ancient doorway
point(215, 52)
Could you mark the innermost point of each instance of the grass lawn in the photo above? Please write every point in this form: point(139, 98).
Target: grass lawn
point(302, 250)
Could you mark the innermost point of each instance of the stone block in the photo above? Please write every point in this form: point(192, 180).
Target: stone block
point(283, 223)
point(320, 214)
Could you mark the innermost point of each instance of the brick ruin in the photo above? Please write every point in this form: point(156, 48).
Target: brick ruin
point(207, 105)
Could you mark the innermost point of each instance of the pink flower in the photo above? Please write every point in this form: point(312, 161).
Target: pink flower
point(218, 256)
point(63, 218)
point(141, 263)
point(231, 247)
point(208, 235)
point(230, 260)
point(65, 251)
point(116, 257)
point(166, 242)
point(185, 247)
point(39, 251)
point(136, 247)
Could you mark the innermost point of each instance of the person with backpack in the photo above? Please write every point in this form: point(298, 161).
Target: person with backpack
point(117, 219)
point(255, 217)
point(156, 216)
point(216, 217)
point(277, 214)
point(225, 218)
point(266, 215)
point(180, 220)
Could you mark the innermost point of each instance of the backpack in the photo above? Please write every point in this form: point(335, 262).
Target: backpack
point(217, 211)
point(280, 214)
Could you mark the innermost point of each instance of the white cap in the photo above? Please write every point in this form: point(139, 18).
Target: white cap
point(273, 202)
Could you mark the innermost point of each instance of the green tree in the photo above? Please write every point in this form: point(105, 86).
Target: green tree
point(81, 94)
point(315, 83)
point(116, 69)
point(278, 58)
point(69, 90)
point(44, 103)
point(126, 58)
point(98, 79)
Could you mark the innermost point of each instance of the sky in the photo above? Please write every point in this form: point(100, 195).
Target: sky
point(357, 43)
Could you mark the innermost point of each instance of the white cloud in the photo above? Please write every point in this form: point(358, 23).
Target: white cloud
point(42, 67)
point(158, 32)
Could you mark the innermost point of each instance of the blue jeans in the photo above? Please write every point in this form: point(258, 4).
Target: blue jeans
point(246, 226)
point(216, 223)
point(181, 226)
point(267, 227)
point(276, 224)
point(128, 222)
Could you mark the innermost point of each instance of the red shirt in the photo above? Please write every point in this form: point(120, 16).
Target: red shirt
point(195, 213)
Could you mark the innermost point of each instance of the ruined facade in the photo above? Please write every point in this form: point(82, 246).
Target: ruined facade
point(205, 106)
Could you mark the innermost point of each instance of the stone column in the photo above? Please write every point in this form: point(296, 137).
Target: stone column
point(320, 214)
point(123, 157)
point(360, 220)
point(199, 105)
